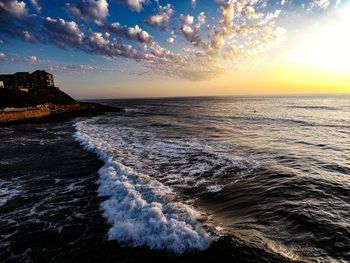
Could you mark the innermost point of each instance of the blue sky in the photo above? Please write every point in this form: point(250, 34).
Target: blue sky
point(128, 44)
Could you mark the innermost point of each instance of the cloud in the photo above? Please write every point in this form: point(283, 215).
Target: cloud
point(136, 33)
point(186, 19)
point(131, 33)
point(31, 60)
point(63, 33)
point(161, 19)
point(170, 40)
point(73, 69)
point(191, 32)
point(251, 14)
point(111, 48)
point(244, 30)
point(319, 4)
point(14, 58)
point(27, 36)
point(134, 5)
point(13, 8)
point(193, 4)
point(201, 18)
point(94, 10)
point(36, 5)
point(283, 2)
point(23, 28)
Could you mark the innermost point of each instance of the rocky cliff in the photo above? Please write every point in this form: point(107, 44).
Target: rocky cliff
point(45, 105)
point(20, 99)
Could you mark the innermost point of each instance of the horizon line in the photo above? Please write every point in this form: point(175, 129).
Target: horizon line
point(213, 96)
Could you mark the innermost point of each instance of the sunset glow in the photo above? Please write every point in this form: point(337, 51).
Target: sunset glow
point(325, 46)
point(182, 131)
point(248, 46)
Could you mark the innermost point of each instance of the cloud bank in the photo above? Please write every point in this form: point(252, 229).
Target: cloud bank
point(243, 30)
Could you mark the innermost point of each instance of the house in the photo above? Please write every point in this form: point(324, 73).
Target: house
point(22, 81)
point(7, 80)
point(26, 81)
point(42, 79)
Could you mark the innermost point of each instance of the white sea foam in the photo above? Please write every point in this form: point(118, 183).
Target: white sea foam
point(184, 162)
point(141, 210)
point(7, 191)
point(214, 188)
point(136, 110)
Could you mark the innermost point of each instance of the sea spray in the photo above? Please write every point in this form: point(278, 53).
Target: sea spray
point(141, 210)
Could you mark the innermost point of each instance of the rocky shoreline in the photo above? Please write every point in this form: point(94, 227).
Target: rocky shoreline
point(45, 105)
point(55, 113)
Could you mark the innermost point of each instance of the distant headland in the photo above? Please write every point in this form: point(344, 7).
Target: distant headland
point(33, 96)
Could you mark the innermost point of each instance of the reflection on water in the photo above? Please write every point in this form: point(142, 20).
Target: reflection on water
point(262, 176)
point(272, 170)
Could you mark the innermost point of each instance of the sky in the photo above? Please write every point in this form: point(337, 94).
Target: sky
point(148, 48)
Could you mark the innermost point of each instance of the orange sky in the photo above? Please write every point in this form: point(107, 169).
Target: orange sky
point(314, 58)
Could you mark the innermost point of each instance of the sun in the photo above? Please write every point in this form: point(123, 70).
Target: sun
point(325, 47)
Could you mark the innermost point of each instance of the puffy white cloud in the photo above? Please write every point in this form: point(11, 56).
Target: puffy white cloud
point(188, 31)
point(170, 40)
point(135, 5)
point(95, 10)
point(251, 14)
point(36, 5)
point(14, 8)
point(132, 33)
point(115, 28)
point(186, 19)
point(63, 33)
point(101, 44)
point(31, 60)
point(191, 32)
point(201, 18)
point(227, 10)
point(14, 58)
point(27, 36)
point(156, 21)
point(136, 33)
point(98, 39)
point(161, 19)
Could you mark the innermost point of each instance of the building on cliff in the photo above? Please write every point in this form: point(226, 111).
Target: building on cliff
point(42, 79)
point(26, 81)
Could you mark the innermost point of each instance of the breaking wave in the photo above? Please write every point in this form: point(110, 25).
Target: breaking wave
point(141, 210)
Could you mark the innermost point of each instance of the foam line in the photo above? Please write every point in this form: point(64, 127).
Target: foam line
point(141, 210)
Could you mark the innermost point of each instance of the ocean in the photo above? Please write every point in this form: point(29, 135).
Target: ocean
point(202, 179)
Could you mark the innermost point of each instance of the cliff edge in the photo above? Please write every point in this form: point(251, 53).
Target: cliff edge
point(20, 99)
point(45, 105)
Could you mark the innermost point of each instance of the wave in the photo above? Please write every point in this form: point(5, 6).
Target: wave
point(136, 110)
point(141, 210)
point(311, 107)
point(7, 191)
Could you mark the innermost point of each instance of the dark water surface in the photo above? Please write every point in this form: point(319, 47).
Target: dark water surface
point(240, 179)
